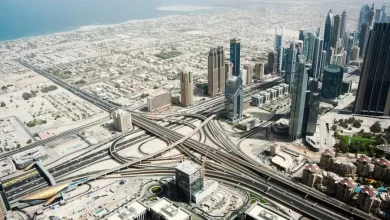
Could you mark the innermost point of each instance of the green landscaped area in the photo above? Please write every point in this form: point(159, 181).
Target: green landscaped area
point(253, 198)
point(362, 140)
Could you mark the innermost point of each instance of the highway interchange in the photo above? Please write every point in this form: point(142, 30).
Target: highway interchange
point(226, 164)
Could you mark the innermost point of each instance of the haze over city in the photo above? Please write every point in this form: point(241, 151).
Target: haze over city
point(194, 109)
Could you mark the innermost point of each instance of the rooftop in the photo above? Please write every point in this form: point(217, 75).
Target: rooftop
point(129, 212)
point(349, 182)
point(188, 167)
point(260, 212)
point(165, 208)
point(328, 152)
point(369, 190)
point(312, 167)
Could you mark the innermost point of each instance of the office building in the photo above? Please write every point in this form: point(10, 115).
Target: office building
point(378, 14)
point(328, 32)
point(367, 199)
point(272, 63)
point(363, 166)
point(311, 123)
point(164, 209)
point(355, 53)
point(249, 74)
point(186, 88)
point(258, 211)
point(291, 55)
point(363, 40)
point(331, 82)
point(133, 211)
point(122, 120)
point(322, 64)
point(228, 70)
point(349, 49)
point(317, 57)
point(189, 179)
point(259, 70)
point(310, 50)
point(371, 16)
point(373, 94)
point(235, 56)
point(304, 39)
point(279, 49)
point(158, 100)
point(298, 101)
point(234, 97)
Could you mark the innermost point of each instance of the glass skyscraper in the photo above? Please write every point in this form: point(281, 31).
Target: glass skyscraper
point(328, 32)
point(235, 47)
point(331, 82)
point(279, 49)
point(234, 97)
point(305, 42)
point(291, 56)
point(373, 94)
point(298, 101)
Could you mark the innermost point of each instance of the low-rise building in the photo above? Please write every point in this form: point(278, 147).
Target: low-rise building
point(7, 167)
point(158, 100)
point(209, 187)
point(122, 120)
point(345, 189)
point(367, 198)
point(327, 159)
point(363, 166)
point(164, 209)
point(25, 158)
point(311, 175)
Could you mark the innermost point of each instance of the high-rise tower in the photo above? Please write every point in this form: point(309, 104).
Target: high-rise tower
point(343, 25)
point(291, 57)
point(305, 42)
point(272, 62)
point(234, 97)
point(279, 48)
point(349, 49)
point(221, 69)
point(364, 33)
point(371, 16)
point(298, 101)
point(384, 13)
point(328, 32)
point(317, 57)
point(373, 94)
point(336, 32)
point(310, 51)
point(186, 87)
point(212, 73)
point(331, 82)
point(363, 16)
point(235, 47)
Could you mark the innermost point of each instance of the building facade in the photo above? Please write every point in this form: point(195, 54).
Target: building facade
point(158, 100)
point(328, 32)
point(279, 49)
point(212, 73)
point(332, 81)
point(373, 94)
point(272, 63)
point(259, 70)
point(189, 179)
point(363, 40)
point(291, 56)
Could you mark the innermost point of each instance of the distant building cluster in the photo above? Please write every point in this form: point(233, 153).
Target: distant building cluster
point(269, 94)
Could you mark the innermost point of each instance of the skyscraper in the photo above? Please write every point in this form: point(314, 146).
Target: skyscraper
point(343, 25)
point(234, 97)
point(249, 74)
point(363, 16)
point(272, 63)
point(378, 14)
point(212, 73)
point(235, 47)
point(279, 49)
point(328, 32)
point(349, 49)
point(364, 34)
point(355, 53)
point(384, 13)
point(324, 57)
point(303, 38)
point(317, 57)
point(186, 87)
point(221, 69)
point(371, 16)
point(291, 53)
point(373, 94)
point(311, 124)
point(331, 82)
point(298, 101)
point(336, 32)
point(310, 50)
point(228, 70)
